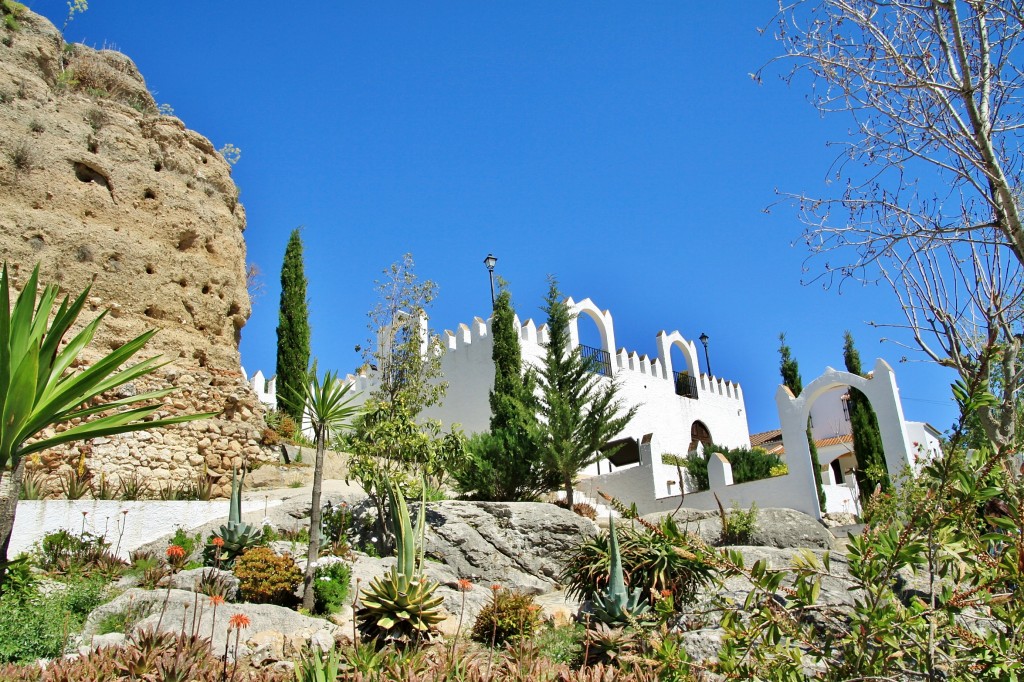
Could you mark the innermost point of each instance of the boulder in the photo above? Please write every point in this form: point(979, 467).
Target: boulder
point(516, 545)
point(189, 580)
point(271, 629)
point(776, 527)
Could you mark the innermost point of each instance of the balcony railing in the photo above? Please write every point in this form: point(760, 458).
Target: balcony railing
point(599, 360)
point(686, 385)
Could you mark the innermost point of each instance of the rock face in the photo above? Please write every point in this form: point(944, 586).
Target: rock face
point(273, 631)
point(781, 528)
point(102, 190)
point(513, 544)
point(510, 544)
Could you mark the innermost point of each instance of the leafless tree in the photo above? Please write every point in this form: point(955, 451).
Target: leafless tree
point(929, 179)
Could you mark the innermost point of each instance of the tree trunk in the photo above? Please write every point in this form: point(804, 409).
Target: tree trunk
point(568, 493)
point(315, 512)
point(10, 490)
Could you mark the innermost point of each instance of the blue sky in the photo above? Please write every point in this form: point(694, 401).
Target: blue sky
point(622, 147)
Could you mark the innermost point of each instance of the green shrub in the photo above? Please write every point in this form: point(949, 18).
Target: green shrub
point(747, 465)
point(650, 560)
point(331, 585)
point(561, 644)
point(30, 627)
point(739, 525)
point(63, 551)
point(508, 615)
point(187, 542)
point(267, 578)
point(33, 625)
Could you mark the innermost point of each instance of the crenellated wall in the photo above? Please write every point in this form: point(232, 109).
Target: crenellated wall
point(649, 383)
point(644, 381)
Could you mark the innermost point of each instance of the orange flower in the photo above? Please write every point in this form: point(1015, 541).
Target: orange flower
point(239, 620)
point(465, 585)
point(216, 600)
point(175, 552)
point(495, 587)
point(217, 542)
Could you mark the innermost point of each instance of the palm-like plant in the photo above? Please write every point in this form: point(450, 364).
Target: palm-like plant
point(39, 390)
point(329, 405)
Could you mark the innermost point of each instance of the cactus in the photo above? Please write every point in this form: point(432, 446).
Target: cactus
point(237, 536)
point(616, 606)
point(400, 606)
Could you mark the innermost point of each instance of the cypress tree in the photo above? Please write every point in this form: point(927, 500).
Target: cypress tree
point(292, 330)
point(504, 465)
point(867, 438)
point(581, 412)
point(791, 378)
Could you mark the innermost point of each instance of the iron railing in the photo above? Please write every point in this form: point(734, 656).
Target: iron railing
point(599, 360)
point(686, 385)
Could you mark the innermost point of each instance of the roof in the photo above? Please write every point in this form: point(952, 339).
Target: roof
point(757, 439)
point(777, 448)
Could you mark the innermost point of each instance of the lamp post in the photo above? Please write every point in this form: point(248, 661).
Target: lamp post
point(704, 338)
point(490, 262)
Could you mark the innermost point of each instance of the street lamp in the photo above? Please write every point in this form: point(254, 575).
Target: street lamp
point(704, 338)
point(490, 262)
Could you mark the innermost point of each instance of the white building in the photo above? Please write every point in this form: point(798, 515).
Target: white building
point(678, 404)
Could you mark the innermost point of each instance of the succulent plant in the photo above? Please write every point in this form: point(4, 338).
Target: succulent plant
point(617, 606)
point(400, 606)
point(237, 536)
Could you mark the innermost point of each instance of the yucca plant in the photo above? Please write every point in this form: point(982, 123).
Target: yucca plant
point(617, 606)
point(400, 606)
point(39, 389)
point(328, 405)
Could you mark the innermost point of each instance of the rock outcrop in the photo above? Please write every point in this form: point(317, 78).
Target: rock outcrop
point(101, 189)
point(775, 527)
point(512, 544)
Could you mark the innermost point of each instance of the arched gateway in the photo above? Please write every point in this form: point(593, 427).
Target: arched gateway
point(880, 390)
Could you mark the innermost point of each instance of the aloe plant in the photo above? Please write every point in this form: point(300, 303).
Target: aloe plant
point(617, 606)
point(400, 606)
point(237, 536)
point(40, 387)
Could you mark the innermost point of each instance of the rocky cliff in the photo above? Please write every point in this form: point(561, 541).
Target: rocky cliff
point(101, 189)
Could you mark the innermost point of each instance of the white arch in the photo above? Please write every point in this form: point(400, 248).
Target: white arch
point(603, 320)
point(687, 348)
point(881, 392)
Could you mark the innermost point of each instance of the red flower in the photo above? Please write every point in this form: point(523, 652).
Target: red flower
point(239, 620)
point(465, 585)
point(216, 600)
point(217, 542)
point(495, 587)
point(175, 552)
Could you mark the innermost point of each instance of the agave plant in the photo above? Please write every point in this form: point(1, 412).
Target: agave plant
point(237, 536)
point(616, 606)
point(400, 606)
point(40, 389)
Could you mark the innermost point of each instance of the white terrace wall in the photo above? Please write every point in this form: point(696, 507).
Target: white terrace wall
point(126, 525)
point(645, 382)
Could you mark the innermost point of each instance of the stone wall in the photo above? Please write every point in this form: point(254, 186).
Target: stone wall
point(100, 189)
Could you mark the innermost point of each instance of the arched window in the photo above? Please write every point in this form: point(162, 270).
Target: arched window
point(699, 433)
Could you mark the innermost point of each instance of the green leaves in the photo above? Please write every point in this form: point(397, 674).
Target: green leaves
point(37, 388)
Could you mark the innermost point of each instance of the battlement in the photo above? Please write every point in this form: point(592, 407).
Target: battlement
point(533, 337)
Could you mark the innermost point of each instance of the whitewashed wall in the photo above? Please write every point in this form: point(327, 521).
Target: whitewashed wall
point(645, 382)
point(144, 521)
